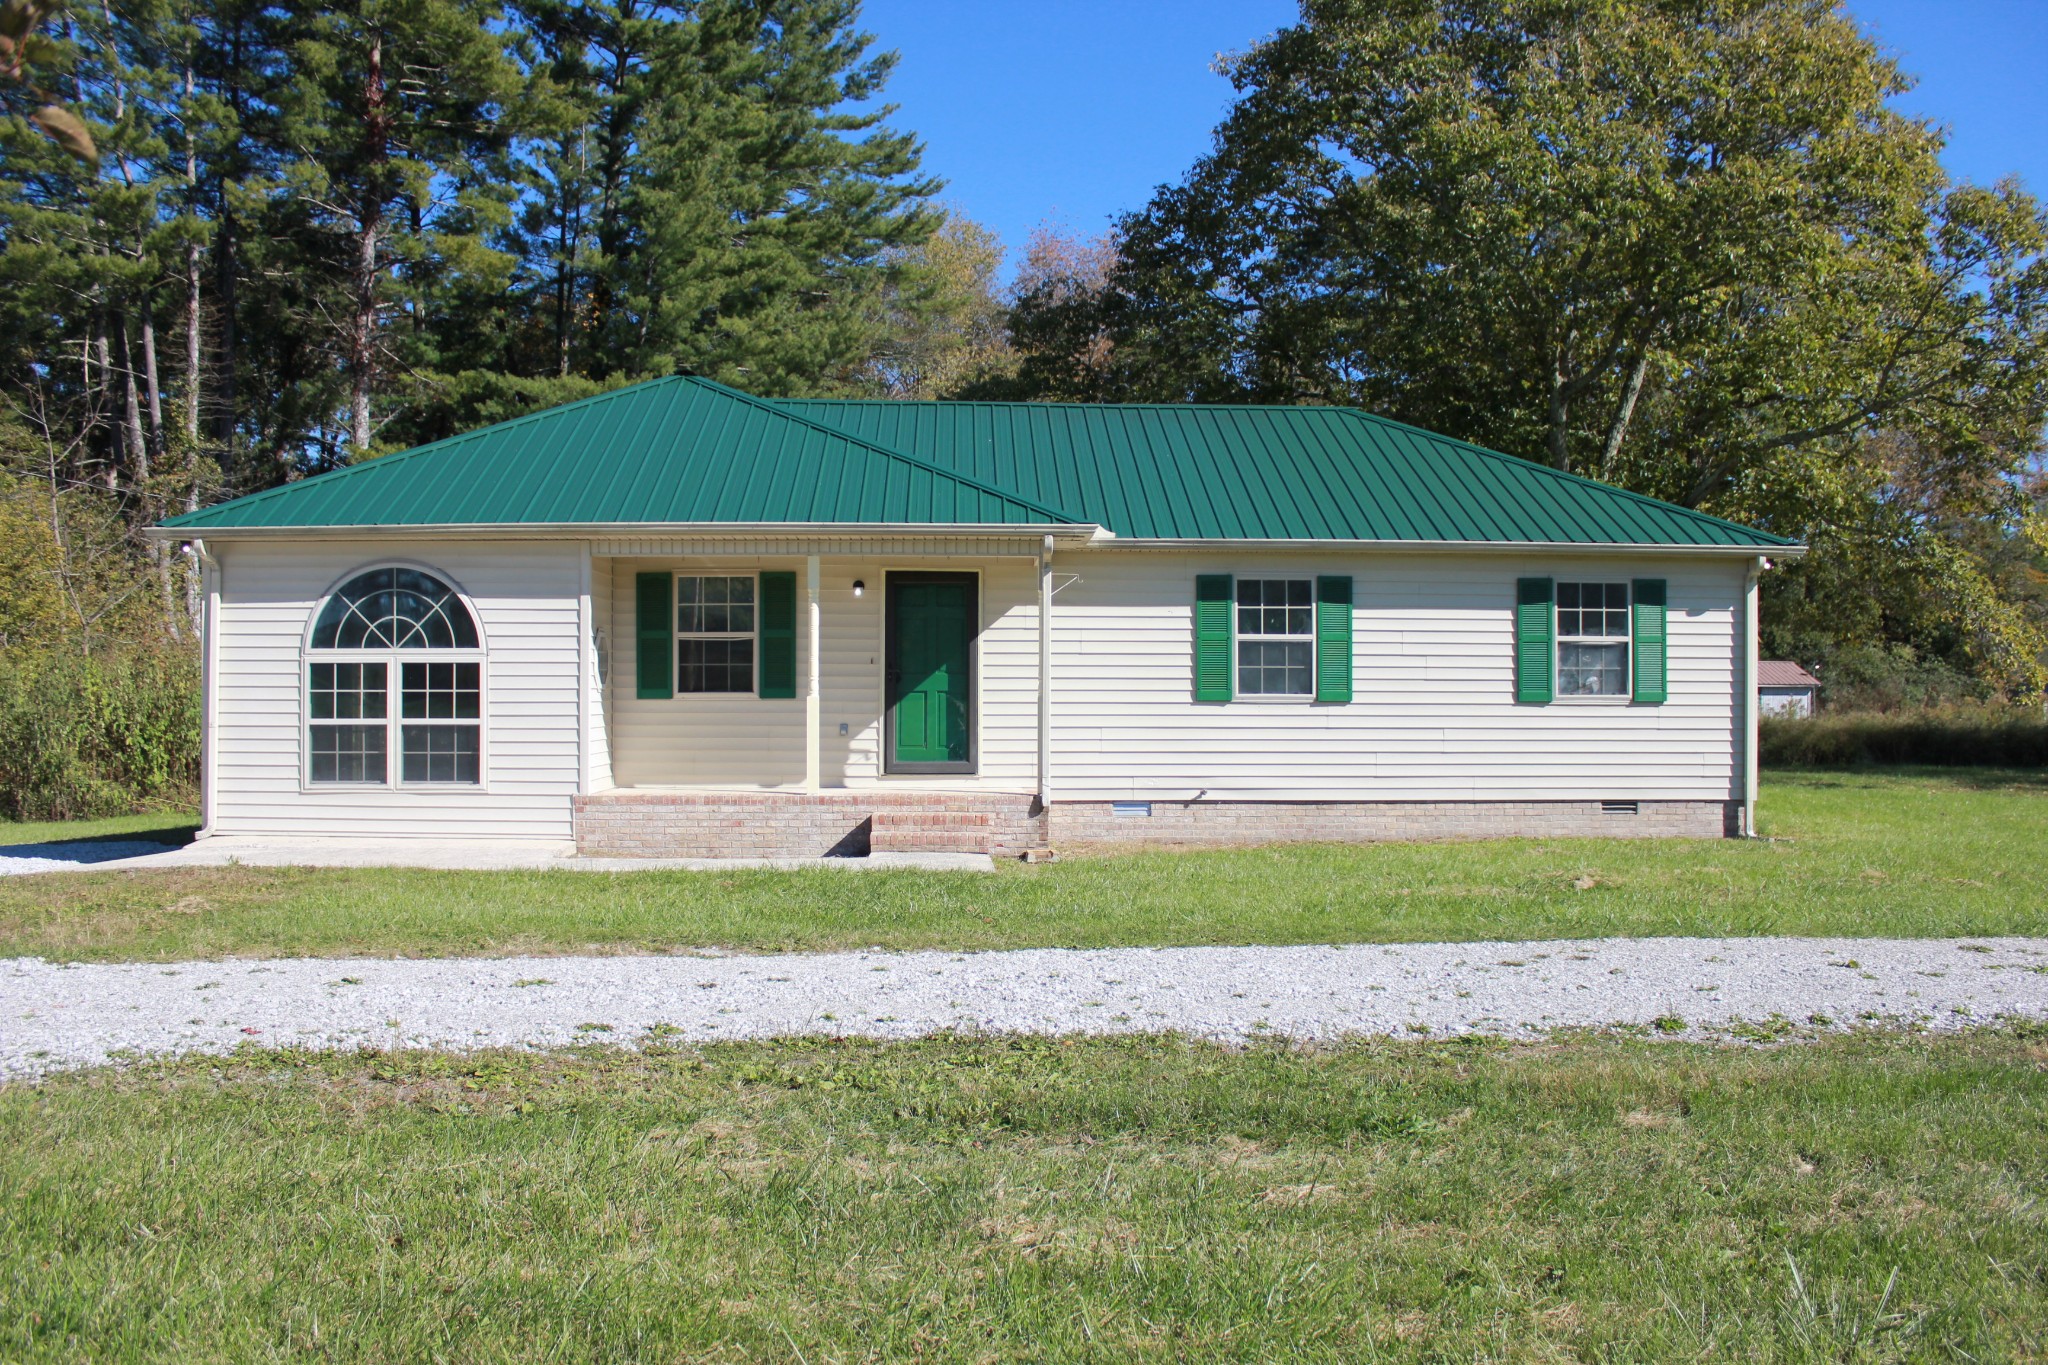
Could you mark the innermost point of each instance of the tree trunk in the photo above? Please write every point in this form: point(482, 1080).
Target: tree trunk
point(564, 275)
point(131, 409)
point(362, 336)
point(152, 390)
point(1560, 414)
point(224, 252)
point(192, 347)
point(192, 313)
point(226, 259)
point(1617, 431)
point(105, 356)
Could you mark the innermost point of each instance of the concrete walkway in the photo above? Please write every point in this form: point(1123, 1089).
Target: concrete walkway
point(464, 855)
point(54, 1017)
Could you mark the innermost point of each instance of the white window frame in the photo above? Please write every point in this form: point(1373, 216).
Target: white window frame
point(753, 688)
point(394, 703)
point(1627, 641)
point(1238, 637)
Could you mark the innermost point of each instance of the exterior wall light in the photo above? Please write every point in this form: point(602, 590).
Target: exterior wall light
point(859, 587)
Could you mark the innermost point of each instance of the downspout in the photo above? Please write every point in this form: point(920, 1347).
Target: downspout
point(1749, 694)
point(1045, 682)
point(209, 682)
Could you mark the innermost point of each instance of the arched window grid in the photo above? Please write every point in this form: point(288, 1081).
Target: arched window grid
point(394, 676)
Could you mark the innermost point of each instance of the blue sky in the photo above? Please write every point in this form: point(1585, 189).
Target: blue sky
point(1071, 111)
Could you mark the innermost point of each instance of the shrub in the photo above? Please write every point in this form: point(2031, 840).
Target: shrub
point(103, 734)
point(1972, 736)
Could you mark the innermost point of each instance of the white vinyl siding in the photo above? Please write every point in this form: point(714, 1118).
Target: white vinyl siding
point(1433, 716)
point(732, 740)
point(525, 596)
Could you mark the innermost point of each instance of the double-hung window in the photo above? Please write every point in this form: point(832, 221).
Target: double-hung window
point(714, 634)
point(1592, 640)
point(394, 668)
point(1272, 637)
point(1276, 637)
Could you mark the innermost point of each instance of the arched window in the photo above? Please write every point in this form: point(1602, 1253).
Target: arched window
point(402, 627)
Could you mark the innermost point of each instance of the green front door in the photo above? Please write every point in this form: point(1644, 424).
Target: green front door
point(930, 673)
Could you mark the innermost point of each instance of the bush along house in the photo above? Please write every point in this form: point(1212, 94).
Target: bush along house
point(679, 620)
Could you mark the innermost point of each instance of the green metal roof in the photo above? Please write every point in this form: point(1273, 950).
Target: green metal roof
point(672, 451)
point(691, 452)
point(1209, 472)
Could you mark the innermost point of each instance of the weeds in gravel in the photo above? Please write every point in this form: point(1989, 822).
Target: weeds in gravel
point(1909, 854)
point(1859, 1198)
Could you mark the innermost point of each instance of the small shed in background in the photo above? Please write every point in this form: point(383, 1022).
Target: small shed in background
point(1783, 688)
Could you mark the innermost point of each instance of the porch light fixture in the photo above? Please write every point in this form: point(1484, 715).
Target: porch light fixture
point(859, 587)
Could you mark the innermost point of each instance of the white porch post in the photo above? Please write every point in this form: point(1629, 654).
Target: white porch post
point(812, 729)
point(1045, 675)
point(585, 674)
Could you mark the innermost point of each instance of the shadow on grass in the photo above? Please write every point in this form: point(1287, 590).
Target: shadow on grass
point(173, 833)
point(176, 834)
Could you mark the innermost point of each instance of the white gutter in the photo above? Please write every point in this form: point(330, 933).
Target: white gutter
point(1045, 679)
point(1069, 534)
point(1749, 701)
point(1460, 547)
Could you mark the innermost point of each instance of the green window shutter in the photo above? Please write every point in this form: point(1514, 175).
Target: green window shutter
point(1213, 636)
point(778, 634)
point(1333, 639)
point(654, 628)
point(1535, 629)
point(1646, 602)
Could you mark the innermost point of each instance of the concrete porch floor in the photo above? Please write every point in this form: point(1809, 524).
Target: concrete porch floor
point(476, 855)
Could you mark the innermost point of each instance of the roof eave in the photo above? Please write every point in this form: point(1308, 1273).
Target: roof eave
point(1463, 546)
point(1067, 532)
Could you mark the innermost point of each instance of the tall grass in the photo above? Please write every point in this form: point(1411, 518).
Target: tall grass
point(1960, 736)
point(101, 734)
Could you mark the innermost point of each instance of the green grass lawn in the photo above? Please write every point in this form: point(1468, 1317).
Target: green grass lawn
point(1856, 1199)
point(1926, 853)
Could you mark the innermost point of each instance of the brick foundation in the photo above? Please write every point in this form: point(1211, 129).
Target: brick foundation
point(640, 824)
point(1085, 824)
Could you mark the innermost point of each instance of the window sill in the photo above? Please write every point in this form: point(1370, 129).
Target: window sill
point(388, 788)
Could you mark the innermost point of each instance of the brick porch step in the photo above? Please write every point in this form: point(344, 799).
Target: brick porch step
point(930, 831)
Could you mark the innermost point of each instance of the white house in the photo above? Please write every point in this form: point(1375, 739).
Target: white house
point(1783, 688)
point(676, 619)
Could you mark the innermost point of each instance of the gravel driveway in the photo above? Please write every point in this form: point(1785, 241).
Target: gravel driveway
point(53, 1017)
point(73, 855)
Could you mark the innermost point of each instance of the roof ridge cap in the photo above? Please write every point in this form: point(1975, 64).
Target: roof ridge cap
point(1362, 415)
point(889, 452)
point(1065, 403)
point(397, 456)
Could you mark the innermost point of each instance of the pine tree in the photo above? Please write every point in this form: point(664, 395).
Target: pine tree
point(773, 215)
point(399, 115)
